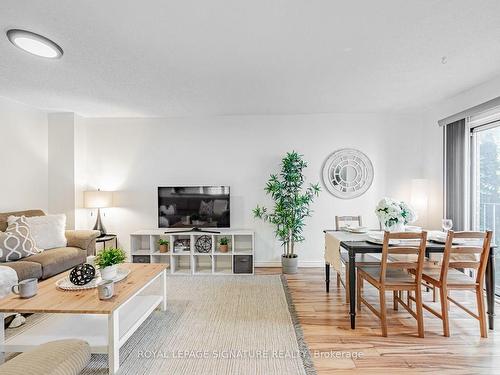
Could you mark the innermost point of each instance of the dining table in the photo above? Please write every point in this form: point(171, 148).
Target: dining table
point(355, 243)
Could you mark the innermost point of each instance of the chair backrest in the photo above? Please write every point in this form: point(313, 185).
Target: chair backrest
point(472, 253)
point(407, 253)
point(347, 219)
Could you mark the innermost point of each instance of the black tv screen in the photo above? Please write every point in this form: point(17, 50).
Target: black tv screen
point(193, 206)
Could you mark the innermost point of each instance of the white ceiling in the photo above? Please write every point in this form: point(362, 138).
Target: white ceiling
point(195, 57)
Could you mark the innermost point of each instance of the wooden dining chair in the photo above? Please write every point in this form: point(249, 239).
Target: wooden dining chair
point(339, 220)
point(472, 254)
point(361, 259)
point(392, 275)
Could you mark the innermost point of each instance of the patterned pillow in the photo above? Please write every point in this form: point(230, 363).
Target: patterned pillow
point(207, 208)
point(16, 242)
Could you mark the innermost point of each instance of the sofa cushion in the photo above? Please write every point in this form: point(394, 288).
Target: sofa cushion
point(28, 213)
point(62, 357)
point(58, 260)
point(47, 230)
point(25, 269)
point(16, 242)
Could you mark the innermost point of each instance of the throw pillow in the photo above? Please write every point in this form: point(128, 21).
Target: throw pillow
point(220, 206)
point(16, 242)
point(206, 208)
point(48, 231)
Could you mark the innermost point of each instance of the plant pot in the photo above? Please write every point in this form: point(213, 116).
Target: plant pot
point(223, 248)
point(289, 265)
point(109, 273)
point(163, 248)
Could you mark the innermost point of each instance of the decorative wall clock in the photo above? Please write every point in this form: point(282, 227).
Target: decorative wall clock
point(347, 173)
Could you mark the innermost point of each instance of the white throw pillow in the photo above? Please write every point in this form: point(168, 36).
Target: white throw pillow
point(47, 231)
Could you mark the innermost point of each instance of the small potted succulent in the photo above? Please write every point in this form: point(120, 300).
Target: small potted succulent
point(107, 261)
point(163, 245)
point(224, 245)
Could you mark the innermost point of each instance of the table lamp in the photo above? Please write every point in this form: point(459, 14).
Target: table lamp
point(98, 199)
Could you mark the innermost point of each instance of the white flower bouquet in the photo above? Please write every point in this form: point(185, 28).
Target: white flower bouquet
point(394, 215)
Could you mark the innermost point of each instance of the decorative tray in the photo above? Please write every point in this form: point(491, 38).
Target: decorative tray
point(65, 284)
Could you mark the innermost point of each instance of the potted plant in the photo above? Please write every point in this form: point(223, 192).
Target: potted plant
point(163, 245)
point(107, 261)
point(291, 206)
point(195, 219)
point(224, 245)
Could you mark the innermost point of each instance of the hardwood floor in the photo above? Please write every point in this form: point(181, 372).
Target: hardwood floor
point(325, 322)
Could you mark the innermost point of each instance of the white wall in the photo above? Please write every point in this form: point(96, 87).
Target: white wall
point(135, 156)
point(61, 194)
point(23, 157)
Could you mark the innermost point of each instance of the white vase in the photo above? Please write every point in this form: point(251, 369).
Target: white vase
point(109, 273)
point(397, 227)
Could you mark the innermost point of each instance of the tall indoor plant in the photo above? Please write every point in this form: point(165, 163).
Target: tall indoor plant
point(291, 206)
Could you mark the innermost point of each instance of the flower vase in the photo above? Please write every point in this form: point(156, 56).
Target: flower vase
point(396, 227)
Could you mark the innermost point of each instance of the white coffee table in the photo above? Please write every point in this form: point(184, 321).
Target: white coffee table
point(105, 325)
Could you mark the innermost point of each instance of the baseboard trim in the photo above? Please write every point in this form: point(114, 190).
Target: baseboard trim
point(302, 263)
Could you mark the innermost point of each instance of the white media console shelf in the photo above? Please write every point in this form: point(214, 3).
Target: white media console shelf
point(239, 259)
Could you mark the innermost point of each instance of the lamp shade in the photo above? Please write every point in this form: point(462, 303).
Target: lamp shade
point(98, 199)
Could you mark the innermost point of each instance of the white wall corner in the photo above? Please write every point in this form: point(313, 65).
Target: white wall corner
point(61, 165)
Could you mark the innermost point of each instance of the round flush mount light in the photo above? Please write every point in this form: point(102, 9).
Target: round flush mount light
point(35, 44)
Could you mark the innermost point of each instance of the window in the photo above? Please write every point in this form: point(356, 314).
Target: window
point(485, 181)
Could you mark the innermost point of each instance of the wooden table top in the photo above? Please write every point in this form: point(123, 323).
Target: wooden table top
point(50, 299)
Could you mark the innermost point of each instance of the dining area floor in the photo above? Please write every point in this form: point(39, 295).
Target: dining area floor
point(336, 348)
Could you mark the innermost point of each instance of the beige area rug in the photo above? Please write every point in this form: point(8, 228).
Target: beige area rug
point(216, 325)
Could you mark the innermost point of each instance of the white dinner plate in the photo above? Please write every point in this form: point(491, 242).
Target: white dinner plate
point(355, 229)
point(412, 228)
point(378, 238)
point(440, 237)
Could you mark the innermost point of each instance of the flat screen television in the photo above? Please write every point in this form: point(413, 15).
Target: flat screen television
point(194, 206)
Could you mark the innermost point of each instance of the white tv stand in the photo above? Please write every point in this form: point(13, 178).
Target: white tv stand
point(238, 260)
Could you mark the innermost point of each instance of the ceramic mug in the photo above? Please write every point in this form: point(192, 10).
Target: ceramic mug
point(106, 289)
point(26, 288)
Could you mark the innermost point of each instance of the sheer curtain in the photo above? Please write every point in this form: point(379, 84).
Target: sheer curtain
point(456, 174)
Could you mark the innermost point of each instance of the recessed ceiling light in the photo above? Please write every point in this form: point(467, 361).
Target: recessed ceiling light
point(35, 44)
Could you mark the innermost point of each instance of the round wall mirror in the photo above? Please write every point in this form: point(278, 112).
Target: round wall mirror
point(347, 173)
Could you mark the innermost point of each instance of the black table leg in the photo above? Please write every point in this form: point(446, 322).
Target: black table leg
point(327, 277)
point(352, 288)
point(490, 288)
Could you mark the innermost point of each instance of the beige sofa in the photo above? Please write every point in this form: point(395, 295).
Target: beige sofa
point(81, 243)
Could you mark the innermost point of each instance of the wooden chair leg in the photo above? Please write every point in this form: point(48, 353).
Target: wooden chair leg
point(443, 296)
point(419, 311)
point(359, 285)
point(383, 313)
point(408, 299)
point(481, 311)
point(339, 282)
point(394, 301)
